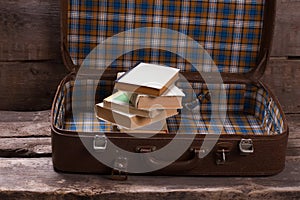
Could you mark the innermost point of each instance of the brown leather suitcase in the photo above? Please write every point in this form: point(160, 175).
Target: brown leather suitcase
point(235, 127)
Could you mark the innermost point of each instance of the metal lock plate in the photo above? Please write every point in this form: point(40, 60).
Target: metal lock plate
point(100, 143)
point(246, 146)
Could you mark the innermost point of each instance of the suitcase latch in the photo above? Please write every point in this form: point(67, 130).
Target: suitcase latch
point(222, 153)
point(246, 146)
point(100, 143)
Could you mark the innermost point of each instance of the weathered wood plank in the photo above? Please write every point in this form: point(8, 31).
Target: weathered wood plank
point(33, 117)
point(40, 181)
point(29, 30)
point(25, 147)
point(24, 124)
point(283, 78)
point(24, 129)
point(294, 125)
point(29, 85)
point(286, 39)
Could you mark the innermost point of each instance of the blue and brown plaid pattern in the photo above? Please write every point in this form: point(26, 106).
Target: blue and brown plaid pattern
point(250, 110)
point(84, 120)
point(230, 31)
point(234, 124)
point(87, 122)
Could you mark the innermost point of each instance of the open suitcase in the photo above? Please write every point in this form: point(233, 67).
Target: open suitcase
point(251, 139)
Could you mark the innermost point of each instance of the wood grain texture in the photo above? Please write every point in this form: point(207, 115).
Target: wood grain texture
point(25, 147)
point(29, 85)
point(294, 125)
point(41, 182)
point(24, 124)
point(283, 78)
point(287, 30)
point(24, 129)
point(29, 30)
point(16, 117)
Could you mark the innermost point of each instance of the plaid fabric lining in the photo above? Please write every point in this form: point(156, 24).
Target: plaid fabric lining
point(87, 122)
point(270, 116)
point(234, 101)
point(230, 31)
point(85, 119)
point(235, 123)
point(250, 110)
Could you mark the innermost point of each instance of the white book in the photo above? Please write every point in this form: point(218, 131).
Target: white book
point(150, 79)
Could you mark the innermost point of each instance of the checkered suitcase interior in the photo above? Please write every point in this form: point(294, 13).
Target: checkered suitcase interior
point(230, 31)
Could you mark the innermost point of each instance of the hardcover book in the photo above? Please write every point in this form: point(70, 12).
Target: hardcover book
point(148, 79)
point(171, 99)
point(121, 101)
point(159, 127)
point(129, 121)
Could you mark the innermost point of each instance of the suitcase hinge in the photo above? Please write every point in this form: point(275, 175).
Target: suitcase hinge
point(202, 97)
point(246, 146)
point(100, 143)
point(119, 172)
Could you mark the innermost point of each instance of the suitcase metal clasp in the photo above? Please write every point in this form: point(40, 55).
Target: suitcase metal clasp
point(246, 146)
point(223, 150)
point(100, 143)
point(222, 156)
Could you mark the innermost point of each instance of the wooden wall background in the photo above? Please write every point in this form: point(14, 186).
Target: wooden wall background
point(31, 66)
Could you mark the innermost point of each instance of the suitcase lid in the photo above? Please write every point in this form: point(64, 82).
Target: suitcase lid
point(237, 33)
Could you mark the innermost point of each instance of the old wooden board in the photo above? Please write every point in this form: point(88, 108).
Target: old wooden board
point(29, 30)
point(35, 179)
point(25, 147)
point(29, 85)
point(283, 78)
point(287, 30)
point(24, 124)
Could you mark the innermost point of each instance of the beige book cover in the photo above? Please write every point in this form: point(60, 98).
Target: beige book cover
point(159, 127)
point(129, 121)
point(150, 79)
point(170, 99)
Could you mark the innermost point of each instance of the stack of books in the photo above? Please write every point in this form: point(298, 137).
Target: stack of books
point(146, 95)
